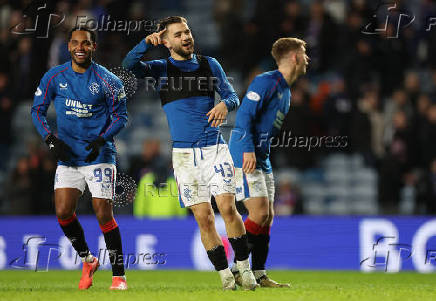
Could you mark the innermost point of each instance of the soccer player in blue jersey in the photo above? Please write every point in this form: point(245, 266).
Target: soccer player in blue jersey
point(259, 119)
point(90, 106)
point(202, 164)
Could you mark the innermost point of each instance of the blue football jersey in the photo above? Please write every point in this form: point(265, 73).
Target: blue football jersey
point(186, 117)
point(259, 118)
point(87, 105)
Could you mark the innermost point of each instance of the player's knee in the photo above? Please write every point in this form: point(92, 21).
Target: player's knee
point(206, 221)
point(103, 217)
point(64, 212)
point(260, 216)
point(270, 219)
point(264, 218)
point(229, 213)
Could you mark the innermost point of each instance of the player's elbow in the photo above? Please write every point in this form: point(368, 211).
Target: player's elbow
point(34, 113)
point(126, 64)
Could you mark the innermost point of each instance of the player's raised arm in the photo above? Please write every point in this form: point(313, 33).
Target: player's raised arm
point(132, 61)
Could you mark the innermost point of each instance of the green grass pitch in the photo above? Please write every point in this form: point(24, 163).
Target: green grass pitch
point(193, 285)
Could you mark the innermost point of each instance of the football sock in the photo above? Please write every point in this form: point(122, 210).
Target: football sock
point(258, 239)
point(74, 232)
point(240, 247)
point(259, 253)
point(112, 237)
point(217, 256)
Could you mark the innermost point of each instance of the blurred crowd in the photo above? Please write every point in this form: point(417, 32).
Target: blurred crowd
point(371, 84)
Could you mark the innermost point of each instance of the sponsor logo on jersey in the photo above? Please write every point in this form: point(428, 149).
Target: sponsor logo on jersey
point(94, 88)
point(253, 96)
point(75, 107)
point(38, 92)
point(63, 86)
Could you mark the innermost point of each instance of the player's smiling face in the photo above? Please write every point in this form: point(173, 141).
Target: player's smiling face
point(81, 47)
point(179, 39)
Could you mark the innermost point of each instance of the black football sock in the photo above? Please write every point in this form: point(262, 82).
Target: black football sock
point(259, 253)
point(258, 238)
point(74, 232)
point(112, 237)
point(218, 258)
point(240, 247)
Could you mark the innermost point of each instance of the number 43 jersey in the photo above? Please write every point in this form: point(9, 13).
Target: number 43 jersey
point(87, 105)
point(260, 118)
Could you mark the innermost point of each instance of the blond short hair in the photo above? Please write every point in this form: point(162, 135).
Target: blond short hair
point(283, 46)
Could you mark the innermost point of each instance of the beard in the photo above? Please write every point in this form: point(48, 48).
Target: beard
point(86, 61)
point(185, 53)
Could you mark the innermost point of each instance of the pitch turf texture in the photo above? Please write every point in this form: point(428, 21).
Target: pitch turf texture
point(192, 285)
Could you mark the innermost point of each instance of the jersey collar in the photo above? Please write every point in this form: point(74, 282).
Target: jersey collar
point(81, 74)
point(184, 63)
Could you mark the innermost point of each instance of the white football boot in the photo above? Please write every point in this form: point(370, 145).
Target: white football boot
point(227, 279)
point(247, 278)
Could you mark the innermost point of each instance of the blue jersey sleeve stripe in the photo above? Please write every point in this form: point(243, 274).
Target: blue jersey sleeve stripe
point(45, 95)
point(113, 102)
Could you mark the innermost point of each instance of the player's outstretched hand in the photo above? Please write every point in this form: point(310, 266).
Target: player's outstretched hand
point(218, 114)
point(155, 38)
point(59, 148)
point(94, 147)
point(249, 162)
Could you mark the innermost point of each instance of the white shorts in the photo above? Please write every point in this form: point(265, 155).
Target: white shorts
point(99, 177)
point(202, 172)
point(256, 184)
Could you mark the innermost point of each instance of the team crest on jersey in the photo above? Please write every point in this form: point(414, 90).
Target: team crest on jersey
point(94, 88)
